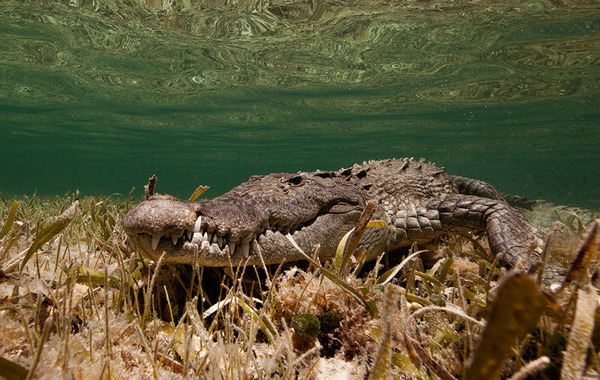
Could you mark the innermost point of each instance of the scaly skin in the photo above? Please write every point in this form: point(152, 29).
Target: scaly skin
point(248, 225)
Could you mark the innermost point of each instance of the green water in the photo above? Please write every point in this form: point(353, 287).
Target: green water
point(100, 95)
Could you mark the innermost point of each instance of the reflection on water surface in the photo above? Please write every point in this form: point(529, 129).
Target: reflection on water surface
point(99, 95)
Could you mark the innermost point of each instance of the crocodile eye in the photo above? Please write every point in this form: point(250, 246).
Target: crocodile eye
point(296, 180)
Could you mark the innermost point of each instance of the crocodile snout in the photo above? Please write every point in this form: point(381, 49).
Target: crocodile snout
point(161, 215)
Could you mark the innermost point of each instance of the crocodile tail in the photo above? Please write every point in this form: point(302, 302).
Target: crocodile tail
point(510, 235)
point(470, 186)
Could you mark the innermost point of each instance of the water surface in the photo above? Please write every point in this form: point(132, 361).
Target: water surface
point(98, 96)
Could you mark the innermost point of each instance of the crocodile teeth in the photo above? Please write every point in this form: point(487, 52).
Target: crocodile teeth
point(231, 246)
point(245, 250)
point(174, 240)
point(155, 241)
point(189, 234)
point(220, 241)
point(205, 236)
point(198, 224)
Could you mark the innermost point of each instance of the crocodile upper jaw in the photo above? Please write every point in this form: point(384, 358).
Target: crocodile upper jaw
point(269, 247)
point(179, 230)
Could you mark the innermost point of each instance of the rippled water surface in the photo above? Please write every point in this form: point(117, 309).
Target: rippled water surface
point(99, 95)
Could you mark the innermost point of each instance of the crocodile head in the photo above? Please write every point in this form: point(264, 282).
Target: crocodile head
point(249, 224)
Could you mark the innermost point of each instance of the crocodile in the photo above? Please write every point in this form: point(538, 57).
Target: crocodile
point(255, 222)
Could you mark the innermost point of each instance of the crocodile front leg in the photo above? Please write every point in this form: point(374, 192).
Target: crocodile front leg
point(509, 234)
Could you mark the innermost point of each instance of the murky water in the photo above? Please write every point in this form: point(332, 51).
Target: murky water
point(100, 95)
